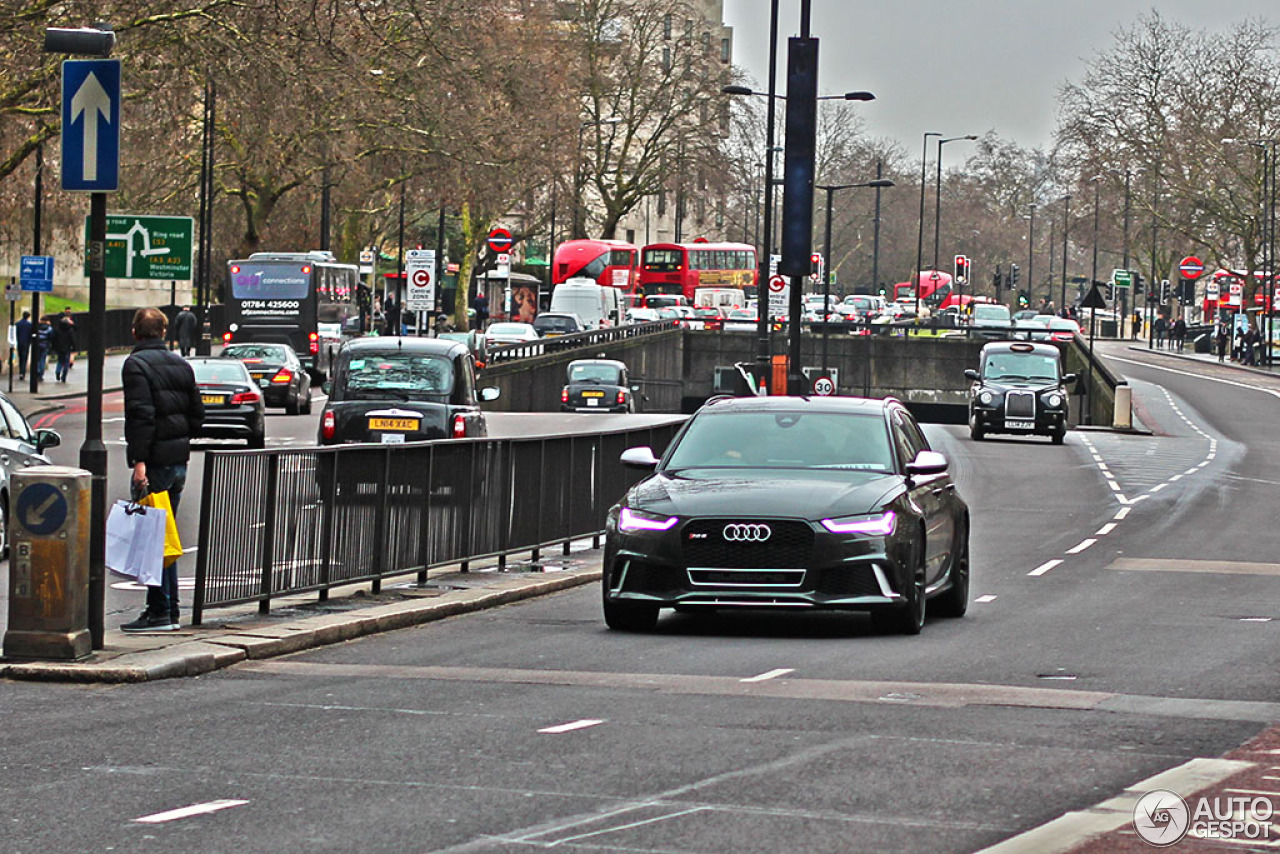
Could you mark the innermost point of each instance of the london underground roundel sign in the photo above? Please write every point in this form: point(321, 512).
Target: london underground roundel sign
point(1191, 267)
point(500, 240)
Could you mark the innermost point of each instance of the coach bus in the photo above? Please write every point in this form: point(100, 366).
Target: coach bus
point(609, 262)
point(682, 268)
point(303, 299)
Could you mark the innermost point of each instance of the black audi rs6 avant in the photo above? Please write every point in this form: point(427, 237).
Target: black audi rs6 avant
point(790, 503)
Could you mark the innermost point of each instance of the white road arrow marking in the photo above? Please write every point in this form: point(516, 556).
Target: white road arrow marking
point(91, 100)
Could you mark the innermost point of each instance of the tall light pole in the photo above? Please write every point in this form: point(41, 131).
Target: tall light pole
point(763, 349)
point(1031, 254)
point(830, 189)
point(1124, 305)
point(1093, 283)
point(937, 201)
point(924, 156)
point(1268, 229)
point(875, 241)
point(1066, 227)
point(577, 170)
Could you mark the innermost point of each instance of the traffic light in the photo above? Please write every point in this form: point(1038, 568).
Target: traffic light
point(1164, 290)
point(997, 279)
point(1014, 275)
point(1022, 299)
point(962, 269)
point(816, 266)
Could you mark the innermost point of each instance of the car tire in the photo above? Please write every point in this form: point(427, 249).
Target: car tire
point(954, 602)
point(291, 407)
point(1059, 436)
point(907, 618)
point(630, 616)
point(257, 441)
point(975, 429)
point(4, 525)
point(306, 404)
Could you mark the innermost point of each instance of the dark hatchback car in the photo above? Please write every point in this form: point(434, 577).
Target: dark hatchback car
point(597, 385)
point(394, 390)
point(1019, 388)
point(233, 404)
point(551, 324)
point(790, 503)
point(279, 373)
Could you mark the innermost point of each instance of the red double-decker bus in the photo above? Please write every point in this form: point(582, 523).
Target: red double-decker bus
point(682, 268)
point(609, 262)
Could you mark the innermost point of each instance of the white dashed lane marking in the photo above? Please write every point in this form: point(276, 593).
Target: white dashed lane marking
point(772, 674)
point(571, 726)
point(187, 812)
point(1044, 567)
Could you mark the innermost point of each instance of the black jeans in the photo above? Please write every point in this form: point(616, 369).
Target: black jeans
point(163, 600)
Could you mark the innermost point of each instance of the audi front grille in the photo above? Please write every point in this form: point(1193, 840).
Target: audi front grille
point(1020, 404)
point(788, 544)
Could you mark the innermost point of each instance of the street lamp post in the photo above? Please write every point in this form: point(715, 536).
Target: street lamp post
point(763, 348)
point(1031, 254)
point(924, 156)
point(1066, 227)
point(830, 189)
point(937, 200)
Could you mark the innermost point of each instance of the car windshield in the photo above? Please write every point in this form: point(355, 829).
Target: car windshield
point(991, 312)
point(508, 329)
point(1021, 366)
point(555, 323)
point(593, 374)
point(221, 371)
point(398, 375)
point(742, 314)
point(793, 440)
point(265, 352)
point(1063, 323)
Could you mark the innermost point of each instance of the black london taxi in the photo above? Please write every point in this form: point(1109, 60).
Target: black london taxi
point(597, 385)
point(393, 390)
point(1019, 388)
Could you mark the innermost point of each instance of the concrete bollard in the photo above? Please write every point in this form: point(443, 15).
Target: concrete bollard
point(1123, 416)
point(49, 564)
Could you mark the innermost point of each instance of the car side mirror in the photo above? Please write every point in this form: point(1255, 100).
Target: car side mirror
point(325, 386)
point(639, 458)
point(1067, 379)
point(47, 439)
point(489, 393)
point(927, 462)
point(970, 373)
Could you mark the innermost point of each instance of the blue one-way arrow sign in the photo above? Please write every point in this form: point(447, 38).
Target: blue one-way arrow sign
point(91, 125)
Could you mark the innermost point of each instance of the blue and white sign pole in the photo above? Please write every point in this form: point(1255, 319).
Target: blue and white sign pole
point(91, 164)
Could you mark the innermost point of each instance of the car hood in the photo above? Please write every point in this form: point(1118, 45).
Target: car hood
point(764, 492)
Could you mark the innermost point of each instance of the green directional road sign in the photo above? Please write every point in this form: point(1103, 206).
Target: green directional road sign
point(147, 247)
point(1122, 278)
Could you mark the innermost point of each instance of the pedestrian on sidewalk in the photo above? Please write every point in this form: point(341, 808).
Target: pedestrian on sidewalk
point(41, 339)
point(185, 326)
point(1222, 338)
point(1161, 329)
point(1179, 333)
point(63, 341)
point(22, 329)
point(162, 412)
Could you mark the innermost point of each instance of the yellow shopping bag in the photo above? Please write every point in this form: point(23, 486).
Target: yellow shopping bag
point(172, 545)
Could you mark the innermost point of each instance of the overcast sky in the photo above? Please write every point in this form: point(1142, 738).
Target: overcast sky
point(961, 67)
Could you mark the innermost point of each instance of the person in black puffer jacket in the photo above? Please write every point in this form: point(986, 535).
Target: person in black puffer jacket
point(162, 412)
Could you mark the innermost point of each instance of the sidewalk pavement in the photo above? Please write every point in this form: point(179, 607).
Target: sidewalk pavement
point(51, 393)
point(302, 621)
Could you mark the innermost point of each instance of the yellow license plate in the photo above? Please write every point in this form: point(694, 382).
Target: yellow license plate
point(593, 394)
point(404, 424)
point(213, 399)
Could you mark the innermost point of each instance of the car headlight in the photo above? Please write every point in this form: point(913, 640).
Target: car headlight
point(640, 520)
point(877, 525)
point(986, 398)
point(1053, 400)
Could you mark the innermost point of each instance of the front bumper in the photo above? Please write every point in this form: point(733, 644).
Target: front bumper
point(836, 572)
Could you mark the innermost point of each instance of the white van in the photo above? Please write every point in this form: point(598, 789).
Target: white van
point(725, 298)
point(599, 306)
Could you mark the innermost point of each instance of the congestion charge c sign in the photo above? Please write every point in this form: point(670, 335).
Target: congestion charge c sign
point(41, 508)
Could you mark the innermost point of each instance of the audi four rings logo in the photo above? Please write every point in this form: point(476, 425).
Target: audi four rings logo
point(743, 533)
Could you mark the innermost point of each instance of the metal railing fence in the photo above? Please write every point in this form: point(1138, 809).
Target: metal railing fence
point(280, 522)
point(578, 340)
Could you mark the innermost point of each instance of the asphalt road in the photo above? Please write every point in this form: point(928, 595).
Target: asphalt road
point(1123, 622)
